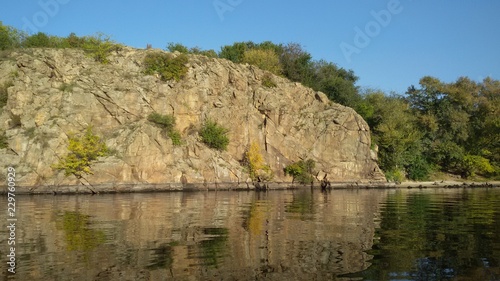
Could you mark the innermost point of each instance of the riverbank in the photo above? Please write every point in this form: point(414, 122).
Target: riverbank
point(176, 187)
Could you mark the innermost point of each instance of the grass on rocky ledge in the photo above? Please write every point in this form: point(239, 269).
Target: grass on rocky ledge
point(167, 122)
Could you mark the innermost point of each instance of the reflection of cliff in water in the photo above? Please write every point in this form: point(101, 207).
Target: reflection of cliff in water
point(296, 235)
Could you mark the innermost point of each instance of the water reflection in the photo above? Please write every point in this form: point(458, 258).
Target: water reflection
point(78, 233)
point(451, 235)
point(161, 257)
point(302, 204)
point(213, 248)
point(277, 235)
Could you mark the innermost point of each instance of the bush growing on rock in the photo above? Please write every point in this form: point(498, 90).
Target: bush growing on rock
point(3, 140)
point(199, 51)
point(67, 87)
point(167, 122)
point(3, 93)
point(177, 47)
point(267, 81)
point(74, 41)
point(99, 47)
point(10, 37)
point(265, 59)
point(166, 65)
point(257, 169)
point(83, 151)
point(395, 175)
point(214, 135)
point(301, 171)
point(37, 40)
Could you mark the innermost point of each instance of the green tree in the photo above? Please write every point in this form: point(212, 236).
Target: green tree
point(10, 37)
point(74, 41)
point(394, 130)
point(484, 137)
point(199, 51)
point(37, 40)
point(459, 122)
point(337, 83)
point(296, 63)
point(234, 52)
point(177, 47)
point(301, 171)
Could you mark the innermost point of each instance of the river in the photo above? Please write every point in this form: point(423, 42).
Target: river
point(374, 234)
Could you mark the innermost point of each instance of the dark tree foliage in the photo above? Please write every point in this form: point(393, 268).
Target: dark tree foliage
point(297, 65)
point(301, 171)
point(177, 47)
point(234, 52)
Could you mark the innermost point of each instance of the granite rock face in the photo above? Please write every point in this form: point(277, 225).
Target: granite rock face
point(57, 92)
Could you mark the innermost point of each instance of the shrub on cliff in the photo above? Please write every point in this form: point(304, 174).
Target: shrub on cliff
point(167, 122)
point(257, 169)
point(166, 65)
point(214, 135)
point(99, 47)
point(83, 151)
point(177, 47)
point(38, 40)
point(301, 171)
point(10, 37)
point(268, 81)
point(3, 140)
point(3, 93)
point(265, 59)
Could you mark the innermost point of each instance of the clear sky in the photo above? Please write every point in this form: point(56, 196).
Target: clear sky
point(389, 44)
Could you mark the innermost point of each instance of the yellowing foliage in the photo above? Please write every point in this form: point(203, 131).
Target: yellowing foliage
point(82, 151)
point(257, 168)
point(264, 59)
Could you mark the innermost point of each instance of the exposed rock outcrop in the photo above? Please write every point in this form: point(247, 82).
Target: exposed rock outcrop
point(56, 92)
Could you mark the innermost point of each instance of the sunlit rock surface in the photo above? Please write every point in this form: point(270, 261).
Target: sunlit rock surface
point(57, 92)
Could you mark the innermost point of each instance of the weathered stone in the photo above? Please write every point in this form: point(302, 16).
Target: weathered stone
point(58, 92)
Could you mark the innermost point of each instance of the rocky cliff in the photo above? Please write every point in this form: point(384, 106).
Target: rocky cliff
point(58, 92)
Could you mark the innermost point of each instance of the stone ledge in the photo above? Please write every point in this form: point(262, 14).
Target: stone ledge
point(193, 187)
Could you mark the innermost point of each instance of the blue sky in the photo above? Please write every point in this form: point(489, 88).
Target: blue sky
point(389, 44)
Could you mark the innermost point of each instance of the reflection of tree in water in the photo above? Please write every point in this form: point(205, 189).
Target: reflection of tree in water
point(302, 204)
point(213, 248)
point(426, 237)
point(78, 232)
point(254, 218)
point(161, 257)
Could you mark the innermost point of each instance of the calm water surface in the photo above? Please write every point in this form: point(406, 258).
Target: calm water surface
point(430, 234)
